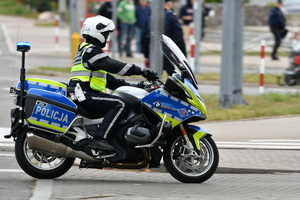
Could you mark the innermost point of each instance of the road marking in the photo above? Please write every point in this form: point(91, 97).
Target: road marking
point(275, 140)
point(4, 131)
point(43, 189)
point(7, 154)
point(4, 88)
point(11, 170)
point(2, 144)
point(260, 144)
point(7, 38)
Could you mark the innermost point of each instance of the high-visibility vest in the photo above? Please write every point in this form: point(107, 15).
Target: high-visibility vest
point(97, 78)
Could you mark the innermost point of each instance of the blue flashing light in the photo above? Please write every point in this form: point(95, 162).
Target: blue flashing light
point(23, 46)
point(24, 43)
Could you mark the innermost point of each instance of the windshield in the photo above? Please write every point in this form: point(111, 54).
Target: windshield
point(178, 60)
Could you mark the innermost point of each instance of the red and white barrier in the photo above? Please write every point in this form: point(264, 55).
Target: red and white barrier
point(262, 67)
point(295, 37)
point(192, 42)
point(56, 32)
point(107, 46)
point(192, 54)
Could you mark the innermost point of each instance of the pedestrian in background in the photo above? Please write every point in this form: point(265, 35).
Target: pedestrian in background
point(277, 27)
point(126, 15)
point(106, 11)
point(173, 30)
point(142, 13)
point(186, 15)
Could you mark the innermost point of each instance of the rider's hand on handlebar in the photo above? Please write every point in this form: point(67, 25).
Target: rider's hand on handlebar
point(149, 74)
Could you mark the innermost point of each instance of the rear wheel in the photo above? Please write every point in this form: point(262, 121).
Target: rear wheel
point(189, 166)
point(40, 164)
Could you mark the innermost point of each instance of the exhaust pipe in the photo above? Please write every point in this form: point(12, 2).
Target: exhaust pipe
point(41, 144)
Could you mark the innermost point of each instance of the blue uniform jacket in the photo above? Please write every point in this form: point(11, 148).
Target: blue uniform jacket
point(276, 19)
point(173, 30)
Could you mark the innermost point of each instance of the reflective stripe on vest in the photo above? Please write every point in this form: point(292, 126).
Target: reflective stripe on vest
point(97, 78)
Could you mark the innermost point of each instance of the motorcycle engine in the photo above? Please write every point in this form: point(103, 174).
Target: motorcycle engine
point(137, 135)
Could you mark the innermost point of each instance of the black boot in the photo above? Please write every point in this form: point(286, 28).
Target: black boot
point(275, 58)
point(102, 144)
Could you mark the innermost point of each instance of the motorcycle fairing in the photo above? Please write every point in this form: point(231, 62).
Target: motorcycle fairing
point(44, 84)
point(177, 59)
point(176, 110)
point(193, 98)
point(49, 110)
point(184, 74)
point(200, 133)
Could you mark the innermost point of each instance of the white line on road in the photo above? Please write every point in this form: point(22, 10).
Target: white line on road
point(4, 88)
point(7, 38)
point(11, 170)
point(43, 189)
point(257, 147)
point(5, 131)
point(2, 144)
point(260, 144)
point(274, 140)
point(7, 154)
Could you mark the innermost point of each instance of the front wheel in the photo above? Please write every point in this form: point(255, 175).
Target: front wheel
point(189, 166)
point(40, 164)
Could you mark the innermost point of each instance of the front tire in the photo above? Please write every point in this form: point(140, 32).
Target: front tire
point(190, 167)
point(40, 164)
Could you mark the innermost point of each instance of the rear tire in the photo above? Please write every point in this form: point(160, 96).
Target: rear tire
point(191, 168)
point(40, 164)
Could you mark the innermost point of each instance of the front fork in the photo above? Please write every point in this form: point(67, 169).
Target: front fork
point(193, 137)
point(186, 138)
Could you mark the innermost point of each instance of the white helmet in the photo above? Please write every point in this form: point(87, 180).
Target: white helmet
point(97, 28)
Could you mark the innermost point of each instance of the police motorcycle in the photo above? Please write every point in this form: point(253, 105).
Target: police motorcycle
point(50, 130)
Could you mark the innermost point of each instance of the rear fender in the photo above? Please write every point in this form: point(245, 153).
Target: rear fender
point(195, 133)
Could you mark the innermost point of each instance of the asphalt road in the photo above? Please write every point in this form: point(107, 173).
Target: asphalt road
point(14, 183)
point(95, 184)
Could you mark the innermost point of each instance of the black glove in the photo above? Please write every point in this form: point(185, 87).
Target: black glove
point(149, 74)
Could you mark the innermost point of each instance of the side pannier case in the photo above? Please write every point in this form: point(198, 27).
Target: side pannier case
point(49, 110)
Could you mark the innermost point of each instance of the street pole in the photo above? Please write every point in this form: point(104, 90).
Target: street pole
point(114, 34)
point(197, 33)
point(62, 8)
point(237, 94)
point(227, 54)
point(73, 17)
point(232, 54)
point(156, 31)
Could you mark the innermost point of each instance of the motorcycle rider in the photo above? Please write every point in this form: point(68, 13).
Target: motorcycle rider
point(92, 69)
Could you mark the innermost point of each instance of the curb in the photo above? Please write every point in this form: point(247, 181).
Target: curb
point(220, 170)
point(228, 170)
